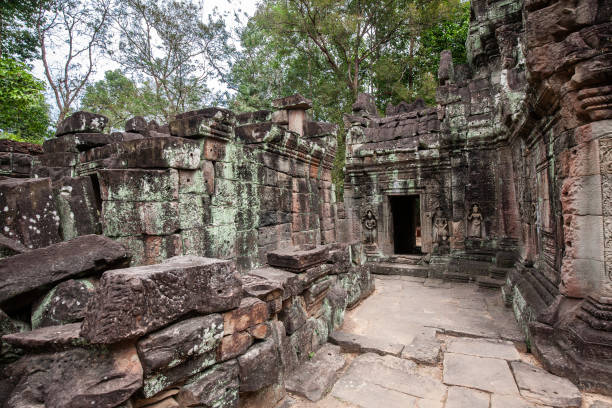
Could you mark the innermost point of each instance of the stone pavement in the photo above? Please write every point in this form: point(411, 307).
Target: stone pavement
point(425, 343)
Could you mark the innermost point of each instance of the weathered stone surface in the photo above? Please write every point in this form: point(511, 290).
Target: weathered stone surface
point(137, 124)
point(28, 214)
point(486, 374)
point(159, 294)
point(504, 350)
point(260, 287)
point(259, 366)
point(302, 341)
point(10, 247)
point(174, 344)
point(32, 272)
point(375, 381)
point(63, 304)
point(261, 331)
point(50, 337)
point(251, 312)
point(365, 103)
point(460, 397)
point(508, 401)
point(126, 218)
point(80, 142)
point(216, 387)
point(234, 345)
point(82, 122)
point(297, 260)
point(296, 101)
point(77, 207)
point(355, 343)
point(81, 378)
point(542, 387)
point(316, 377)
point(293, 314)
point(138, 185)
point(424, 349)
point(288, 281)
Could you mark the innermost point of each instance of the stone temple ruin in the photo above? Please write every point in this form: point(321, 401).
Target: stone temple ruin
point(203, 261)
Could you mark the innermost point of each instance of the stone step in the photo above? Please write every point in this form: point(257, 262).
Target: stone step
point(316, 377)
point(406, 259)
point(455, 276)
point(488, 282)
point(499, 273)
point(387, 268)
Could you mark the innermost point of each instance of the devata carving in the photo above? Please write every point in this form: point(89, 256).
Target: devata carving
point(370, 227)
point(476, 227)
point(440, 228)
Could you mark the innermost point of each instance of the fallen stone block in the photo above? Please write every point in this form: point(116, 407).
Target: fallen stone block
point(251, 312)
point(176, 343)
point(217, 387)
point(259, 366)
point(77, 377)
point(296, 260)
point(541, 387)
point(288, 281)
point(316, 377)
point(63, 304)
point(48, 338)
point(82, 122)
point(80, 142)
point(27, 212)
point(157, 295)
point(33, 272)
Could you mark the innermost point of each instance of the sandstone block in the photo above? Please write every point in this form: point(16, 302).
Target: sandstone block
point(486, 374)
point(175, 344)
point(77, 207)
point(251, 312)
point(125, 218)
point(217, 387)
point(259, 366)
point(293, 315)
point(82, 122)
point(76, 378)
point(297, 260)
point(48, 338)
point(137, 124)
point(234, 345)
point(63, 304)
point(156, 295)
point(79, 142)
point(33, 271)
point(288, 281)
point(138, 185)
point(28, 214)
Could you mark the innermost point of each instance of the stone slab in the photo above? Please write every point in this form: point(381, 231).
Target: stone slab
point(34, 271)
point(316, 376)
point(540, 386)
point(504, 350)
point(259, 366)
point(216, 387)
point(424, 349)
point(176, 343)
point(50, 337)
point(387, 381)
point(82, 122)
point(486, 374)
point(296, 260)
point(460, 397)
point(63, 304)
point(354, 343)
point(157, 295)
point(508, 401)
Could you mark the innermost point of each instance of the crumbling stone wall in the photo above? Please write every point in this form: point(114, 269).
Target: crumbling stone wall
point(522, 131)
point(194, 263)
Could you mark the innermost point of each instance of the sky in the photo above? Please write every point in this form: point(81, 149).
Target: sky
point(244, 8)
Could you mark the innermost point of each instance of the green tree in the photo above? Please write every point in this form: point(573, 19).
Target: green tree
point(120, 98)
point(169, 44)
point(24, 115)
point(17, 39)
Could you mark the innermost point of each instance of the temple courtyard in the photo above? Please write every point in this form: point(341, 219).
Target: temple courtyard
point(418, 342)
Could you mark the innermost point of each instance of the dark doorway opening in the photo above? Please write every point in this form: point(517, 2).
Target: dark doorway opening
point(406, 224)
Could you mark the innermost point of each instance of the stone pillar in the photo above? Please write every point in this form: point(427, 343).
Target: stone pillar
point(295, 107)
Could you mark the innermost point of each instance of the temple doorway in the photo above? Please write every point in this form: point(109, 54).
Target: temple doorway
point(406, 224)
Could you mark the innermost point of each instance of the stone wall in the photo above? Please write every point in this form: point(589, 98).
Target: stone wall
point(521, 131)
point(191, 264)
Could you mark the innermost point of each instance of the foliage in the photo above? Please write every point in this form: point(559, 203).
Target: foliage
point(70, 35)
point(168, 44)
point(119, 98)
point(17, 39)
point(24, 115)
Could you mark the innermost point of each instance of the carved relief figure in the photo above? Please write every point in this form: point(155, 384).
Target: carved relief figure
point(440, 227)
point(370, 224)
point(475, 223)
